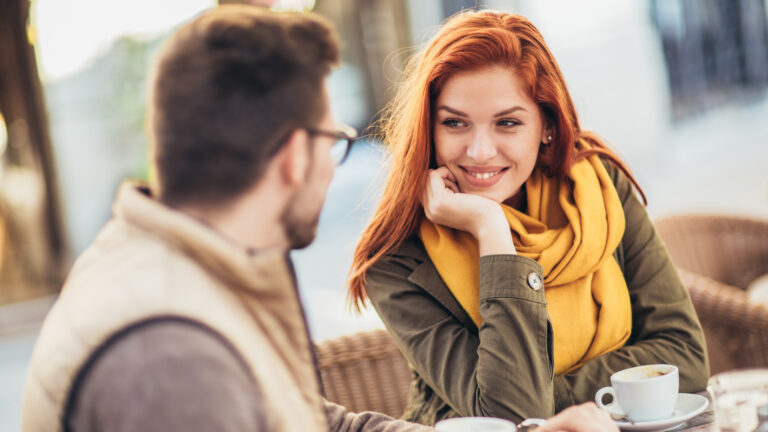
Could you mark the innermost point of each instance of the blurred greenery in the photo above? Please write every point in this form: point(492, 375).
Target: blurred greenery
point(133, 58)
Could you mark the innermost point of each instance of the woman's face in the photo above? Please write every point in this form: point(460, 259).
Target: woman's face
point(487, 131)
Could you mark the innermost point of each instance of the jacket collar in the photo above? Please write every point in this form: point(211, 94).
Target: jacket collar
point(425, 275)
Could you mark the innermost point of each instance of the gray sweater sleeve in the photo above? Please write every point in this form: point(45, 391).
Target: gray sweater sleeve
point(340, 420)
point(167, 375)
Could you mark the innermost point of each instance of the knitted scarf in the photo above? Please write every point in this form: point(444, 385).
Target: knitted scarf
point(572, 228)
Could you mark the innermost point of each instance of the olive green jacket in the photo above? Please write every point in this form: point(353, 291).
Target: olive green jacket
point(505, 368)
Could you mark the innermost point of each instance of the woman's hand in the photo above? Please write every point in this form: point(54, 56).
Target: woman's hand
point(444, 204)
point(586, 417)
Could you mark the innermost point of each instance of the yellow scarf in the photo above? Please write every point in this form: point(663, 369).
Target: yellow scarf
point(572, 232)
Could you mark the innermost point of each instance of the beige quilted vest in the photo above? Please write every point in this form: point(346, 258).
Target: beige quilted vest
point(151, 261)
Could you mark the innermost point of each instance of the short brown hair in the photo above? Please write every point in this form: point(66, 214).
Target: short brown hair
point(228, 90)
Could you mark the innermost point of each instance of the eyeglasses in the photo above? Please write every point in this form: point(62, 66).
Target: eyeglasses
point(345, 137)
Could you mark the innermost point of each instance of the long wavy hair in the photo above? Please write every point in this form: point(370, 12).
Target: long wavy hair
point(467, 41)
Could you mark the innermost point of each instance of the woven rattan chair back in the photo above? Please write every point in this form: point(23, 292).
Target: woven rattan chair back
point(729, 249)
point(717, 257)
point(364, 372)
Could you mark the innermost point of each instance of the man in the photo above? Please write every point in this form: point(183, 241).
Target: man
point(183, 314)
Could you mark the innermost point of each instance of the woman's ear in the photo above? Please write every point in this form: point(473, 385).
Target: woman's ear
point(293, 158)
point(546, 135)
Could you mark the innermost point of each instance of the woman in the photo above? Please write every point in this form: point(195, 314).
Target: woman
point(509, 256)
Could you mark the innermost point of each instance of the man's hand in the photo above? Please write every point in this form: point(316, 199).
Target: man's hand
point(586, 417)
point(444, 204)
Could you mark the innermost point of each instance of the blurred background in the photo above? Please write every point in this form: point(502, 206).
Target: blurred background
point(677, 87)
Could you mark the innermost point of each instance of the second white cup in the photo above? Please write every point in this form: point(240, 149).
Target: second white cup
point(475, 424)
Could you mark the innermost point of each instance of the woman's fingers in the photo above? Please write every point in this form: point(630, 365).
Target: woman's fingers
point(449, 180)
point(434, 194)
point(443, 172)
point(437, 179)
point(451, 177)
point(444, 204)
point(432, 184)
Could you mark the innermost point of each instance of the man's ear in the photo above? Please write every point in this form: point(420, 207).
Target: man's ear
point(293, 158)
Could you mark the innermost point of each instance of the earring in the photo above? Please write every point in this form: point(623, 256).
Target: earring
point(549, 140)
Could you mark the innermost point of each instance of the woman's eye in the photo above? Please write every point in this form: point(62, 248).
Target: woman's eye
point(508, 123)
point(452, 123)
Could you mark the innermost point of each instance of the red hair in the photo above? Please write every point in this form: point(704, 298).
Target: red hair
point(467, 41)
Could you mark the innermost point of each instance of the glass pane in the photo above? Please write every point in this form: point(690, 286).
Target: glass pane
point(94, 73)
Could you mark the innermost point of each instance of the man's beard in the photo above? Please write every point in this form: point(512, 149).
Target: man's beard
point(300, 218)
point(300, 226)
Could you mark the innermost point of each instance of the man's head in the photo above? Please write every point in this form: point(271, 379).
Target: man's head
point(232, 91)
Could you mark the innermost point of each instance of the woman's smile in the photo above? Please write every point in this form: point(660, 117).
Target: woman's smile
point(482, 176)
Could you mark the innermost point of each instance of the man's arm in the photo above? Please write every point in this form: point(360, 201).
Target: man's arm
point(164, 376)
point(340, 420)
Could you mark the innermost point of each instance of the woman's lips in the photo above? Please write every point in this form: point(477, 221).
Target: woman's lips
point(482, 177)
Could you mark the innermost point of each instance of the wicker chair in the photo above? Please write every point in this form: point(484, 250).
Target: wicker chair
point(364, 372)
point(717, 257)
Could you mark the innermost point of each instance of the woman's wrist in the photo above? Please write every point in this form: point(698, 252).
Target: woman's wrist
point(494, 236)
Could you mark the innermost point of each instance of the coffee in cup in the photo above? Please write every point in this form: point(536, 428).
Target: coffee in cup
point(644, 393)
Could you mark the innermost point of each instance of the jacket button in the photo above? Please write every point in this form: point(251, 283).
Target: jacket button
point(534, 281)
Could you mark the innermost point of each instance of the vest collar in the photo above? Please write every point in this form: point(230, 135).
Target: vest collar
point(264, 278)
point(257, 273)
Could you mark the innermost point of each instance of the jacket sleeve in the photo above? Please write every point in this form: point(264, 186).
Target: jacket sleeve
point(665, 328)
point(340, 420)
point(504, 368)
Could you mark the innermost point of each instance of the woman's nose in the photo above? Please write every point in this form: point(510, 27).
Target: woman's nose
point(482, 148)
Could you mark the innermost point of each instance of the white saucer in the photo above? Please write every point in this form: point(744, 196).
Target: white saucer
point(688, 406)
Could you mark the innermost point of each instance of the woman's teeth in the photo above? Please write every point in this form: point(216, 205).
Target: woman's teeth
point(483, 176)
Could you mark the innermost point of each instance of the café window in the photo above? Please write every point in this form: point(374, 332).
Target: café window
point(93, 57)
point(716, 52)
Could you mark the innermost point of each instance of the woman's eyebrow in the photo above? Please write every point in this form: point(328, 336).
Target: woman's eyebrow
point(509, 111)
point(462, 114)
point(452, 110)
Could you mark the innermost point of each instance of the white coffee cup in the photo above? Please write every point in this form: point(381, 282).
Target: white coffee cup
point(644, 393)
point(475, 424)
